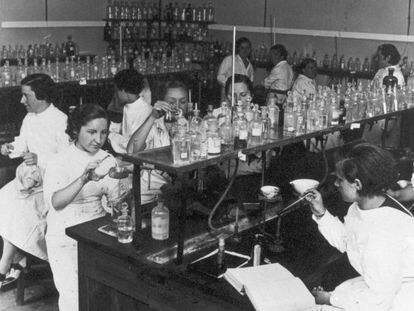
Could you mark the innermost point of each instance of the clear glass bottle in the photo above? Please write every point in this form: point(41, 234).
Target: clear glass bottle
point(195, 144)
point(124, 227)
point(160, 221)
point(226, 133)
point(181, 147)
point(256, 128)
point(273, 113)
point(240, 130)
point(265, 123)
point(196, 122)
point(289, 121)
point(209, 120)
point(213, 141)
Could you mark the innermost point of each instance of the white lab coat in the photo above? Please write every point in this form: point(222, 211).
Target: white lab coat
point(61, 171)
point(225, 69)
point(383, 72)
point(280, 77)
point(133, 116)
point(380, 246)
point(303, 85)
point(22, 215)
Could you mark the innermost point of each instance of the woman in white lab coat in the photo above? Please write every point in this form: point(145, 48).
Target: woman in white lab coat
point(75, 181)
point(22, 210)
point(377, 234)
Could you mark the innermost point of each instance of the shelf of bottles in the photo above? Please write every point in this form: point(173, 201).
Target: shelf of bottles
point(249, 126)
point(151, 33)
point(148, 22)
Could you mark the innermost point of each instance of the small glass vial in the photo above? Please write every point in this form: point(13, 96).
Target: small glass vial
point(160, 221)
point(124, 227)
point(221, 254)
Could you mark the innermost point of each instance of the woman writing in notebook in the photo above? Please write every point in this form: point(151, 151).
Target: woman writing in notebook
point(377, 234)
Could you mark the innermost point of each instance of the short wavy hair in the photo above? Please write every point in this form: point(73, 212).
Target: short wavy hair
point(373, 166)
point(81, 115)
point(42, 85)
point(391, 51)
point(130, 80)
point(238, 78)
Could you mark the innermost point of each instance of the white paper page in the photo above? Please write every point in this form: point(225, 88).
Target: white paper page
point(286, 295)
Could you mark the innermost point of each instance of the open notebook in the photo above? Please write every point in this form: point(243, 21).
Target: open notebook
point(271, 287)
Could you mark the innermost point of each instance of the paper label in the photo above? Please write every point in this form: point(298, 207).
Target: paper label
point(243, 135)
point(355, 126)
point(241, 156)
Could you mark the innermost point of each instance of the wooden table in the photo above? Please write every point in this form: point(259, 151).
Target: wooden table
point(114, 276)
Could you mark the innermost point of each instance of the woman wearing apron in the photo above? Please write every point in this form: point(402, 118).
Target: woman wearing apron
point(74, 191)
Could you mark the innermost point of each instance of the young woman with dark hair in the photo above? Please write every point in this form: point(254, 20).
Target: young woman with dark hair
point(243, 65)
point(22, 210)
point(377, 234)
point(73, 191)
point(305, 84)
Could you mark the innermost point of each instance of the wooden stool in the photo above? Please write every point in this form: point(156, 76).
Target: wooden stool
point(22, 282)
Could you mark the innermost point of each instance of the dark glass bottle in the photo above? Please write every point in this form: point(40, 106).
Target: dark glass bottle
point(107, 32)
point(390, 81)
point(70, 47)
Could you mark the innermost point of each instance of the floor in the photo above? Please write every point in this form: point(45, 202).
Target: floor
point(40, 293)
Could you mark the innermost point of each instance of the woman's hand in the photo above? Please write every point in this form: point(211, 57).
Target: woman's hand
point(89, 174)
point(321, 296)
point(315, 199)
point(160, 108)
point(6, 149)
point(30, 158)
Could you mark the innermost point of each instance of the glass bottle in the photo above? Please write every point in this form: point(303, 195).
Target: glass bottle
point(326, 61)
point(125, 227)
point(109, 10)
point(226, 133)
point(289, 125)
point(107, 32)
point(265, 123)
point(211, 12)
point(70, 48)
point(160, 221)
point(196, 122)
point(273, 113)
point(209, 119)
point(390, 81)
point(365, 65)
point(256, 129)
point(195, 144)
point(213, 141)
point(221, 266)
point(181, 147)
point(240, 130)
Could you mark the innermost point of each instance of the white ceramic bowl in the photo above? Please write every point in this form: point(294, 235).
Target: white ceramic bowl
point(270, 191)
point(302, 185)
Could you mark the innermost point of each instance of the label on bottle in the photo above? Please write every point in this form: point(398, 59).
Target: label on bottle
point(256, 132)
point(213, 145)
point(160, 228)
point(243, 134)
